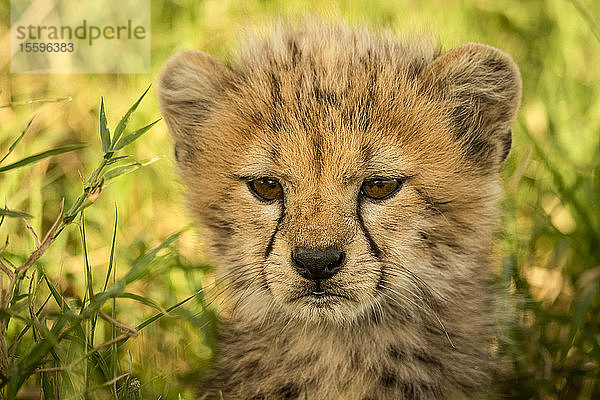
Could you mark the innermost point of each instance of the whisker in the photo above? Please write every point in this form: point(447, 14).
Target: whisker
point(267, 311)
point(407, 272)
point(430, 310)
point(237, 277)
point(240, 298)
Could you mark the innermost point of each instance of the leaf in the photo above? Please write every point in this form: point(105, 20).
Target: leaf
point(14, 214)
point(104, 132)
point(17, 140)
point(161, 314)
point(7, 313)
point(112, 252)
point(125, 140)
point(140, 266)
point(116, 159)
point(122, 170)
point(125, 169)
point(41, 156)
point(123, 122)
point(60, 301)
point(143, 300)
point(88, 268)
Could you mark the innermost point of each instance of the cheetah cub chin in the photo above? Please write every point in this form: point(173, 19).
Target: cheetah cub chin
point(347, 181)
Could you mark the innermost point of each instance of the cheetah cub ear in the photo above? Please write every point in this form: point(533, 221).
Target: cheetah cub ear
point(189, 85)
point(480, 87)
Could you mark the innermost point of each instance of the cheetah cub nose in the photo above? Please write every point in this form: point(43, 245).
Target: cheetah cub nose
point(316, 263)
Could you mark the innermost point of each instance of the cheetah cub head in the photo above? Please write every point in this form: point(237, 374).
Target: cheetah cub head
point(341, 174)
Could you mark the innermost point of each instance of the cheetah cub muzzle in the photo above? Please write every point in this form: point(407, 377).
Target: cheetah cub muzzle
point(346, 181)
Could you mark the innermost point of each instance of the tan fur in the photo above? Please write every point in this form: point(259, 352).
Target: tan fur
point(322, 108)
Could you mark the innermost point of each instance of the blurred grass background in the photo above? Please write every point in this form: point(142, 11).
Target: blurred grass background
point(549, 245)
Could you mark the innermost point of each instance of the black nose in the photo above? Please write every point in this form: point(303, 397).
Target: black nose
point(316, 263)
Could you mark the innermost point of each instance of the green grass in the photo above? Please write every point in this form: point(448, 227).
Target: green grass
point(52, 338)
point(116, 265)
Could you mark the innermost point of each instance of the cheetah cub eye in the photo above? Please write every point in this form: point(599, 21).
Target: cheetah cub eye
point(266, 189)
point(380, 188)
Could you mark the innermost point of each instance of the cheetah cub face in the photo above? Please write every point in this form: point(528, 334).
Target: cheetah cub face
point(347, 178)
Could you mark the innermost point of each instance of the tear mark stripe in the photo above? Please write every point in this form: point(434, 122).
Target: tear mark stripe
point(375, 250)
point(269, 248)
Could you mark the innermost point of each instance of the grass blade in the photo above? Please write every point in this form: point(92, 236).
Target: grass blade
point(125, 140)
point(140, 266)
point(28, 324)
point(26, 365)
point(104, 132)
point(141, 299)
point(123, 122)
point(567, 195)
point(117, 159)
point(60, 301)
point(113, 312)
point(578, 318)
point(41, 156)
point(126, 169)
point(17, 140)
point(112, 252)
point(121, 170)
point(88, 268)
point(14, 214)
point(161, 314)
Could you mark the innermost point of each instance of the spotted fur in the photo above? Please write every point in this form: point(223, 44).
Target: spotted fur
point(321, 108)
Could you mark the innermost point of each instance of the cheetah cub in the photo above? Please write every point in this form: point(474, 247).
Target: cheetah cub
point(347, 181)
